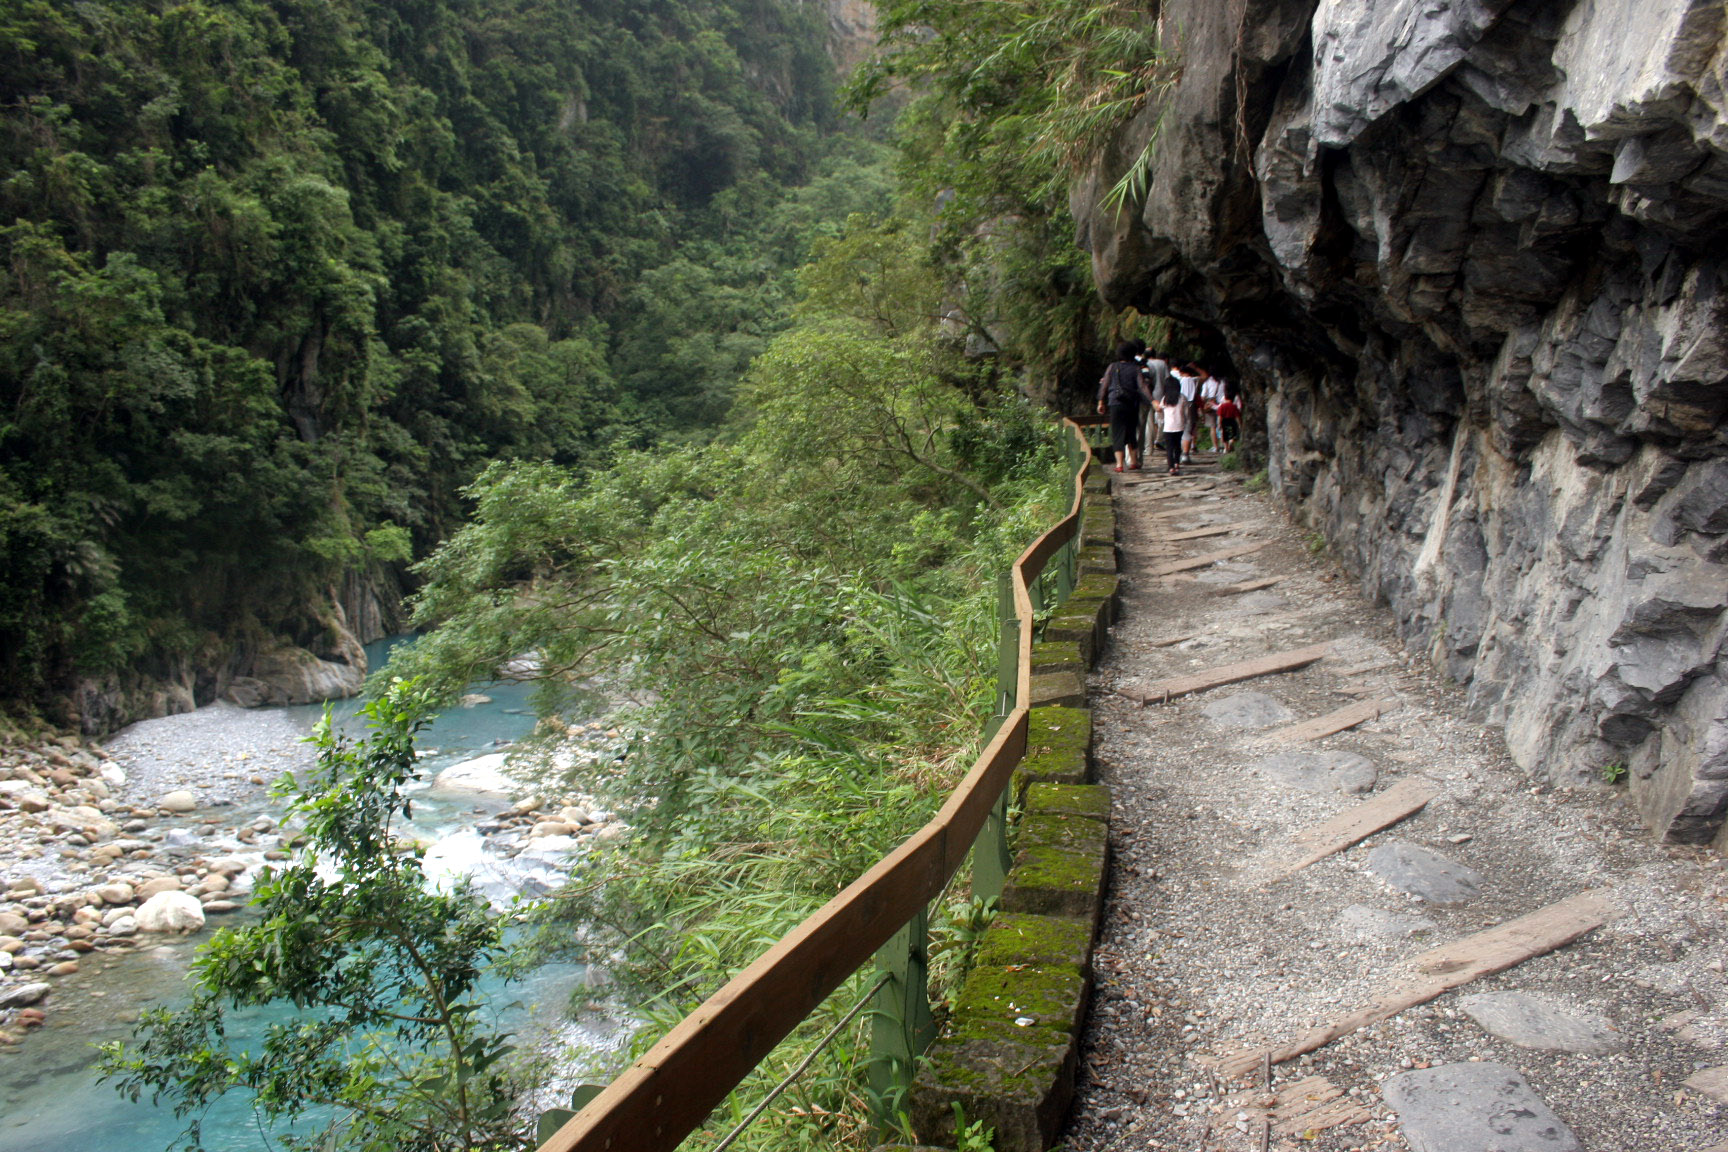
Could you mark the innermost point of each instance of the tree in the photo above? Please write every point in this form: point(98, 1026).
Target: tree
point(385, 1050)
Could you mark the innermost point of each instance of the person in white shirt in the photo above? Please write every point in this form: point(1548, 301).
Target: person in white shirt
point(1188, 378)
point(1211, 395)
point(1156, 368)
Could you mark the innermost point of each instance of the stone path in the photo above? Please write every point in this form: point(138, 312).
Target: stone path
point(1211, 947)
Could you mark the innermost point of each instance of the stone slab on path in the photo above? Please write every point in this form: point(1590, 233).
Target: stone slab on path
point(1361, 924)
point(1321, 771)
point(1446, 967)
point(1532, 1022)
point(1424, 873)
point(1475, 1108)
point(1247, 710)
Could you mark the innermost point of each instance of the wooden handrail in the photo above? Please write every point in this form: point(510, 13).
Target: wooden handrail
point(670, 1091)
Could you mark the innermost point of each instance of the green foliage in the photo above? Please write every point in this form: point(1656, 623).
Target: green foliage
point(1230, 462)
point(286, 274)
point(975, 1136)
point(1011, 102)
point(804, 613)
point(1258, 482)
point(1615, 773)
point(387, 1050)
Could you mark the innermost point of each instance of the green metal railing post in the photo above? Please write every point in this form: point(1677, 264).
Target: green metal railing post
point(990, 856)
point(901, 1025)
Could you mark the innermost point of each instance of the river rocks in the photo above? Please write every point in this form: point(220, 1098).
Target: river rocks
point(1531, 1022)
point(157, 884)
point(116, 893)
point(170, 912)
point(13, 925)
point(179, 800)
point(24, 995)
point(1424, 873)
point(1475, 1108)
point(1470, 258)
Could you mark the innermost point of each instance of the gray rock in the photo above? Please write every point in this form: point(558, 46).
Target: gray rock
point(1475, 1108)
point(1531, 1022)
point(1247, 710)
point(1424, 873)
point(23, 995)
point(1364, 925)
point(1321, 771)
point(1514, 211)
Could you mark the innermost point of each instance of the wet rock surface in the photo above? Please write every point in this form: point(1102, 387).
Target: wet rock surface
point(1470, 261)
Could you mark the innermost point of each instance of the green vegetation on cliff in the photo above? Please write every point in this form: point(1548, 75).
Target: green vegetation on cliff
point(283, 275)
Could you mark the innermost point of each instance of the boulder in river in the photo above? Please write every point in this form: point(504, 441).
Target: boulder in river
point(179, 800)
point(170, 912)
point(481, 774)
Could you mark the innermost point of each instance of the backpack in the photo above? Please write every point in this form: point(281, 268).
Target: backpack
point(1124, 383)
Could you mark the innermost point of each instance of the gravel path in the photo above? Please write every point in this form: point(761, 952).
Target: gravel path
point(1205, 952)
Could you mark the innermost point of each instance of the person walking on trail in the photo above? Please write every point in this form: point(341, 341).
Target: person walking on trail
point(1155, 368)
point(1230, 415)
point(1173, 420)
point(1188, 379)
point(1211, 395)
point(1119, 394)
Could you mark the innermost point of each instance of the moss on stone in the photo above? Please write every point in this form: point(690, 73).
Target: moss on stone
point(1061, 831)
point(1021, 939)
point(1089, 800)
point(1050, 881)
point(1058, 689)
point(1098, 558)
point(1058, 730)
point(1095, 586)
point(1058, 741)
point(1050, 997)
point(1021, 1090)
point(1057, 656)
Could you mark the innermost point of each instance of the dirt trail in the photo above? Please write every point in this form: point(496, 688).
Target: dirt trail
point(1207, 953)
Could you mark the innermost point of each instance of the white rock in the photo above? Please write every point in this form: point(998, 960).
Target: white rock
point(5, 961)
point(114, 775)
point(576, 816)
point(23, 995)
point(124, 925)
point(171, 912)
point(180, 800)
point(481, 774)
point(549, 828)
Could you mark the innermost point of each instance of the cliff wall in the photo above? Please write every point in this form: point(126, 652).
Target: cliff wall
point(1471, 257)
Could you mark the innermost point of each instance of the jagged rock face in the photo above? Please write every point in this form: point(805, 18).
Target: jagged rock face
point(1472, 258)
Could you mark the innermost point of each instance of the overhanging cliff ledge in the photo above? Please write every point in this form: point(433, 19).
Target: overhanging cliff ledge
point(1471, 257)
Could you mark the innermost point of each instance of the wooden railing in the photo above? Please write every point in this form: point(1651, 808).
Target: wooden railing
point(670, 1091)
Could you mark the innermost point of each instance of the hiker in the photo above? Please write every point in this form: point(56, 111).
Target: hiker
point(1211, 395)
point(1155, 367)
point(1172, 420)
point(1188, 379)
point(1119, 395)
point(1230, 415)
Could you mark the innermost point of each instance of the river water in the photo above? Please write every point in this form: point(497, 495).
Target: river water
point(49, 1095)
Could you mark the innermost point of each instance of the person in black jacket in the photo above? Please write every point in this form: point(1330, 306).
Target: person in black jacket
point(1119, 394)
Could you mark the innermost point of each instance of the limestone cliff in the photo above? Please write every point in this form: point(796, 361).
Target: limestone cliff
point(1472, 258)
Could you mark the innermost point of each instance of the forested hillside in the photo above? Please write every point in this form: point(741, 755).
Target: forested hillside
point(283, 274)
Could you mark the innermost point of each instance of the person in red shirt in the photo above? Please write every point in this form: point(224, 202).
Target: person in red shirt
point(1230, 416)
